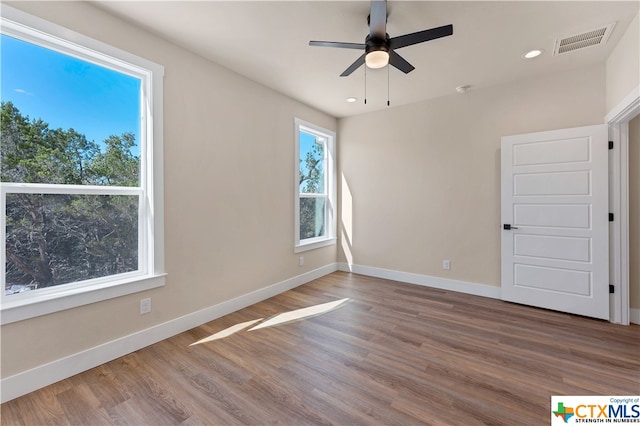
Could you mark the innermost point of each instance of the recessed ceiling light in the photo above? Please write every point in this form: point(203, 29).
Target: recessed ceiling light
point(351, 100)
point(532, 54)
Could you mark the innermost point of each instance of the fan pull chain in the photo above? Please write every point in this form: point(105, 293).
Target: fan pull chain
point(388, 102)
point(365, 84)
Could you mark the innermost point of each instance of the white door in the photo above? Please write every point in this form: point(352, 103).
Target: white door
point(555, 200)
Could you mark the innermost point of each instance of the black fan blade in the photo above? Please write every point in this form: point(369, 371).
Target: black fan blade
point(354, 66)
point(337, 44)
point(420, 36)
point(400, 63)
point(378, 18)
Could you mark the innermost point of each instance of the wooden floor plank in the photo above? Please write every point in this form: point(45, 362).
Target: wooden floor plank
point(393, 354)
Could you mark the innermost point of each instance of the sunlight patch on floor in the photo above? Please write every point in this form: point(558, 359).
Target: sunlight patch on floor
point(299, 314)
point(286, 317)
point(226, 332)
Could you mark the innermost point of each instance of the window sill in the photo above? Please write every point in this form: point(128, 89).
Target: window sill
point(314, 244)
point(31, 307)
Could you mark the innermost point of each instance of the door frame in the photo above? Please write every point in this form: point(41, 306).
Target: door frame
point(618, 121)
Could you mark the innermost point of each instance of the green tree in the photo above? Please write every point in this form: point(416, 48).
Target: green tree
point(55, 239)
point(312, 181)
point(117, 166)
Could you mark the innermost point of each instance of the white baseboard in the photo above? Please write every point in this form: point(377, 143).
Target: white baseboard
point(44, 375)
point(424, 280)
point(442, 283)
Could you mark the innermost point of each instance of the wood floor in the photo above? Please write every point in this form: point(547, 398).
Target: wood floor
point(393, 354)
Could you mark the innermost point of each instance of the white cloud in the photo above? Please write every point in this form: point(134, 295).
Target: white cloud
point(24, 92)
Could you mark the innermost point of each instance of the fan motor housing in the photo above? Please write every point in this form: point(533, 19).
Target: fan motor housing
point(375, 43)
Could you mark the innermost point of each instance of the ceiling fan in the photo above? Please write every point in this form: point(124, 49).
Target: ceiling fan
point(379, 48)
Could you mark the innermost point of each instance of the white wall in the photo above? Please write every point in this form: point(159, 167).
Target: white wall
point(421, 183)
point(229, 180)
point(623, 66)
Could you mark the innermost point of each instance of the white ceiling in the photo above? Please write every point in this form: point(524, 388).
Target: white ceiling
point(267, 41)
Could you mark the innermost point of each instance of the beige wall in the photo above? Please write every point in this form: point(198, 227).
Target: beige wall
point(634, 213)
point(229, 172)
point(421, 183)
point(623, 66)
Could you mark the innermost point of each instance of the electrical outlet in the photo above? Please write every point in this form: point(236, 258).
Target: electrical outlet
point(145, 306)
point(446, 264)
point(301, 261)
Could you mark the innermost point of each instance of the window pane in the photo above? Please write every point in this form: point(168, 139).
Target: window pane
point(65, 120)
point(312, 217)
point(312, 165)
point(59, 239)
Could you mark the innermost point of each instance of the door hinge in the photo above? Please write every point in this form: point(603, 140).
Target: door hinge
point(610, 144)
point(611, 289)
point(610, 217)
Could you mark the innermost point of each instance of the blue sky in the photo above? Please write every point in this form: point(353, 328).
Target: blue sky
point(67, 92)
point(307, 142)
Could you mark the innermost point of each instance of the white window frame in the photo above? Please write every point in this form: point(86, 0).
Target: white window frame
point(150, 273)
point(330, 187)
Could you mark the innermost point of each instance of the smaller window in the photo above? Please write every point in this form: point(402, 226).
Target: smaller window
point(315, 179)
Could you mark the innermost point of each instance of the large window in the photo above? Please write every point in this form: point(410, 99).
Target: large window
point(81, 177)
point(315, 186)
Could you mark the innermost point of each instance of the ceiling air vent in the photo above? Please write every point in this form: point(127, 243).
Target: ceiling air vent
point(580, 41)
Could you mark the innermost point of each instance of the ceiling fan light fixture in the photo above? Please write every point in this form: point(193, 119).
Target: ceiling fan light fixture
point(379, 48)
point(377, 59)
